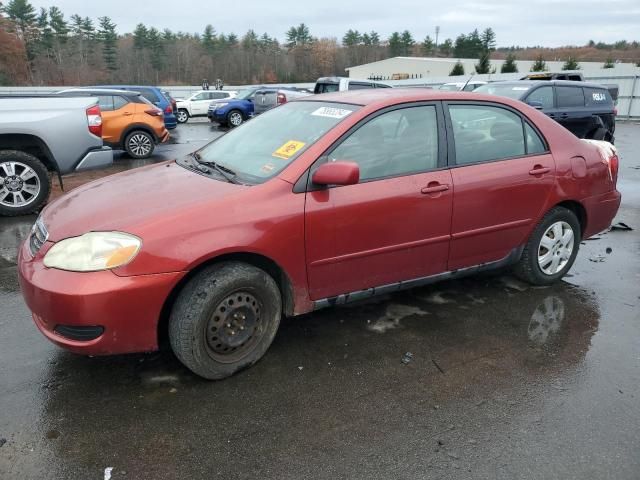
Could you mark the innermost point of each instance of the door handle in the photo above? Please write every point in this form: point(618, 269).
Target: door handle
point(564, 115)
point(539, 170)
point(435, 187)
point(126, 114)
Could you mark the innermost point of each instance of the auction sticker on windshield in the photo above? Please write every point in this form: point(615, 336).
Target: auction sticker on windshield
point(331, 112)
point(288, 150)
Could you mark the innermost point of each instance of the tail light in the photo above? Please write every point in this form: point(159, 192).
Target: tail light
point(94, 120)
point(281, 98)
point(168, 110)
point(154, 112)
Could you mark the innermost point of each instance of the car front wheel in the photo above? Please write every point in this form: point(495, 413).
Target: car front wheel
point(551, 249)
point(224, 319)
point(182, 116)
point(235, 118)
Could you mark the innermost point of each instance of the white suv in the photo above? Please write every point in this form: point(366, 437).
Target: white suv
point(198, 103)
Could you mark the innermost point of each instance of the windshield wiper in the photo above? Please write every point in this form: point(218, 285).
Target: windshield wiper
point(227, 173)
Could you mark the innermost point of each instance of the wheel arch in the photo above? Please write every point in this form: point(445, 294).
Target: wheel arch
point(30, 144)
point(257, 260)
point(134, 127)
point(578, 209)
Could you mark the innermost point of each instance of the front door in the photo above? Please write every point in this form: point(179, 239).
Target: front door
point(502, 178)
point(394, 224)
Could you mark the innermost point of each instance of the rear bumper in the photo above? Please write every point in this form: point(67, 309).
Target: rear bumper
point(601, 209)
point(94, 313)
point(170, 121)
point(163, 137)
point(99, 158)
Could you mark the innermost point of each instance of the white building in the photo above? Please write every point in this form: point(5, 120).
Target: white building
point(399, 68)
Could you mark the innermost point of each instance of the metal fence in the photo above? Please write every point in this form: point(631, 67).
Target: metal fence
point(628, 94)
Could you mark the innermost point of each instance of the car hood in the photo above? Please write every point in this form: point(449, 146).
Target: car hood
point(129, 201)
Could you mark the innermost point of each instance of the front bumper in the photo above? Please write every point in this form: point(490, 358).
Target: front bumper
point(127, 308)
point(219, 116)
point(99, 158)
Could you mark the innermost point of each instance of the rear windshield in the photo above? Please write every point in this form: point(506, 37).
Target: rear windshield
point(326, 87)
point(509, 90)
point(597, 97)
point(264, 146)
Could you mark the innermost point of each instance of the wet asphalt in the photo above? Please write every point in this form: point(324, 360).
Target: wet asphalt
point(483, 377)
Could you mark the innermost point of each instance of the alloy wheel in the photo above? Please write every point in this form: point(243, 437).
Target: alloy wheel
point(235, 119)
point(19, 184)
point(140, 145)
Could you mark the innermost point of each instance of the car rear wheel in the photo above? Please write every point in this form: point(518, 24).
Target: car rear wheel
point(139, 144)
point(235, 118)
point(24, 183)
point(551, 249)
point(224, 319)
point(182, 116)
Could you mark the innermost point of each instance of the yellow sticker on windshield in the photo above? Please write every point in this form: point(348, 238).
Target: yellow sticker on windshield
point(288, 150)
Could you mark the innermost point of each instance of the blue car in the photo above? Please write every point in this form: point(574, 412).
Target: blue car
point(233, 112)
point(155, 96)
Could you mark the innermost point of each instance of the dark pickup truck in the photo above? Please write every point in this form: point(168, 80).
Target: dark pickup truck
point(586, 109)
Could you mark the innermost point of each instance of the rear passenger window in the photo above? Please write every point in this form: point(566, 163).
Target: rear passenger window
point(119, 102)
point(395, 143)
point(543, 95)
point(483, 133)
point(150, 95)
point(535, 145)
point(105, 102)
point(597, 97)
point(569, 97)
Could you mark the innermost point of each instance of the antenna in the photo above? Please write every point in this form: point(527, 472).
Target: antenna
point(466, 83)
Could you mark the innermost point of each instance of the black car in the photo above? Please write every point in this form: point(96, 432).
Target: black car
point(586, 109)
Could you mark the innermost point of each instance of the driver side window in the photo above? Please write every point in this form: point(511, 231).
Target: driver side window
point(396, 143)
point(200, 96)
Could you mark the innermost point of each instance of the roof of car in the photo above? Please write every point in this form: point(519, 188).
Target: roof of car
point(565, 83)
point(100, 91)
point(392, 96)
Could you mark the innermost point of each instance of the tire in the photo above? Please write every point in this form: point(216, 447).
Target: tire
point(139, 144)
point(225, 319)
point(25, 183)
point(598, 134)
point(234, 118)
point(538, 264)
point(182, 115)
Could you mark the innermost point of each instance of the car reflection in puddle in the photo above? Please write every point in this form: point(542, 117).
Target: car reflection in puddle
point(546, 320)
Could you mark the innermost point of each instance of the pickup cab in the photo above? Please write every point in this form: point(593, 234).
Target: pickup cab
point(197, 104)
point(44, 134)
point(342, 84)
point(268, 98)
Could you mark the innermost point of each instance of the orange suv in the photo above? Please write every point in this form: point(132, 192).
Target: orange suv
point(130, 122)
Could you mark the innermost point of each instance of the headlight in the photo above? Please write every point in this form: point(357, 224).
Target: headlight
point(219, 105)
point(93, 251)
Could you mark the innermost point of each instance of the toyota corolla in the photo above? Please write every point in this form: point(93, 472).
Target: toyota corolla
point(322, 201)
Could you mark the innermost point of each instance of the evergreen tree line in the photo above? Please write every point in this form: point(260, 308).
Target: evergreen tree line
point(47, 48)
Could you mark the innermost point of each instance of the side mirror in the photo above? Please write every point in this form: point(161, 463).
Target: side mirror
point(337, 173)
point(535, 104)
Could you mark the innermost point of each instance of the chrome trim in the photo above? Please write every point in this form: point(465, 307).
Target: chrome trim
point(39, 235)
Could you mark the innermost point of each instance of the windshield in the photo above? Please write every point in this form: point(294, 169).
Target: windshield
point(326, 87)
point(504, 90)
point(452, 87)
point(244, 94)
point(264, 146)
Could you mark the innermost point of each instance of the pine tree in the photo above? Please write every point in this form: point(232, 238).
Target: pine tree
point(140, 37)
point(484, 65)
point(446, 47)
point(352, 38)
point(407, 43)
point(609, 63)
point(509, 65)
point(571, 64)
point(156, 47)
point(539, 65)
point(208, 38)
point(109, 38)
point(428, 46)
point(24, 18)
point(395, 44)
point(458, 69)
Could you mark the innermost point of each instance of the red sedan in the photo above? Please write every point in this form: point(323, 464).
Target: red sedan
point(319, 202)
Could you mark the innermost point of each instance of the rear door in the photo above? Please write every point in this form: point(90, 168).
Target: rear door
point(501, 181)
point(110, 120)
point(570, 110)
point(264, 100)
point(394, 224)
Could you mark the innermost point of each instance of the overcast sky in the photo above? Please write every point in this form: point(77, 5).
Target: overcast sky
point(516, 22)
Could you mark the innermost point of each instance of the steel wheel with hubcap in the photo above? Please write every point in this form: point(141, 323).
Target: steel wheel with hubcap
point(224, 319)
point(24, 183)
point(551, 249)
point(235, 118)
point(139, 144)
point(182, 116)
